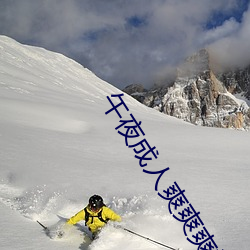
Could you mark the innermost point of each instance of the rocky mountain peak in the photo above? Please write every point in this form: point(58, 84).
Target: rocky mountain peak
point(196, 64)
point(200, 96)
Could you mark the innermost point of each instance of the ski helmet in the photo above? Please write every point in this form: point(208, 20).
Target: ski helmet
point(95, 202)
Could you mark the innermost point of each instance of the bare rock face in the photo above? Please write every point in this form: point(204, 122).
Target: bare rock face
point(137, 91)
point(237, 81)
point(200, 97)
point(197, 96)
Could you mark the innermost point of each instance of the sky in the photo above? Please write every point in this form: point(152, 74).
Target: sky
point(132, 41)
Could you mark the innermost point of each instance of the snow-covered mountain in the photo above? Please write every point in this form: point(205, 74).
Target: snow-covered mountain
point(58, 147)
point(202, 95)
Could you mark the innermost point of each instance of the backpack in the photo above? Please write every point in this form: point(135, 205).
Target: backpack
point(88, 216)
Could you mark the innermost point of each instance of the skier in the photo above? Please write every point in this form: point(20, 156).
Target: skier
point(95, 214)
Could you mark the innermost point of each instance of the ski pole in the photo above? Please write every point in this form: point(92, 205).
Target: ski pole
point(45, 228)
point(148, 239)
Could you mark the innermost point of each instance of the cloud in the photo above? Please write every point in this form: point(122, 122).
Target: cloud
point(228, 28)
point(233, 48)
point(121, 41)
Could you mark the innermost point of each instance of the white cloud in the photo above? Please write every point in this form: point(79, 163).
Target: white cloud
point(228, 28)
point(233, 49)
point(97, 32)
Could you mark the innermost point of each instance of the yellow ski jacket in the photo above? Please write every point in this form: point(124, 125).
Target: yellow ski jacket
point(94, 223)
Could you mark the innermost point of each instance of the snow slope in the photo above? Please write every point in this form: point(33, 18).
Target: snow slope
point(58, 148)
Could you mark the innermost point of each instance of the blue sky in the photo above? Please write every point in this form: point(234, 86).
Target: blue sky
point(131, 41)
point(218, 17)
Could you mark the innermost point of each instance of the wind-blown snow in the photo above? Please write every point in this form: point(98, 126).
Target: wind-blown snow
point(58, 147)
